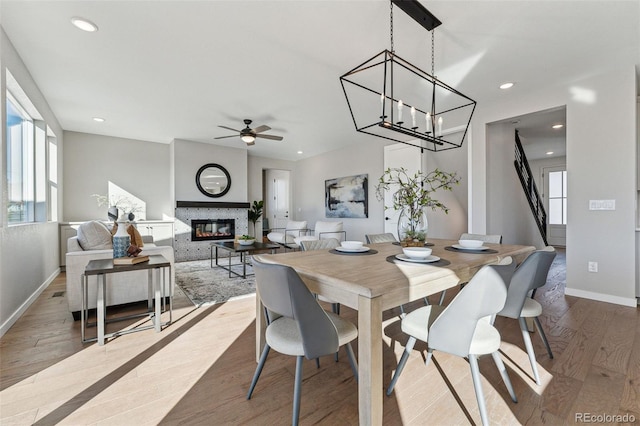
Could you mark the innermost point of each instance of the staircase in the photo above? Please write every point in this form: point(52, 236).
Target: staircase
point(530, 189)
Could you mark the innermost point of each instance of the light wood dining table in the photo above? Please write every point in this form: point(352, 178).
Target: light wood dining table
point(372, 283)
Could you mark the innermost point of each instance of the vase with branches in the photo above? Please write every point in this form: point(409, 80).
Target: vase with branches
point(413, 194)
point(255, 212)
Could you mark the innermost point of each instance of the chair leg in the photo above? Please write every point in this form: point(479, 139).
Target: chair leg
point(442, 295)
point(297, 391)
point(477, 385)
point(256, 375)
point(429, 355)
point(317, 362)
point(543, 336)
point(352, 360)
point(505, 375)
point(403, 360)
point(530, 351)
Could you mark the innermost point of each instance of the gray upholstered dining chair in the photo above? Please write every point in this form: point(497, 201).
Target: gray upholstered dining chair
point(463, 327)
point(387, 237)
point(326, 244)
point(487, 238)
point(530, 275)
point(297, 324)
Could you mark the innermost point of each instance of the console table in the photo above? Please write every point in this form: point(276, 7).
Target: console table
point(156, 295)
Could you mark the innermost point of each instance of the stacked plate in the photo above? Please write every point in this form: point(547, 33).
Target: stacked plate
point(417, 255)
point(470, 245)
point(352, 247)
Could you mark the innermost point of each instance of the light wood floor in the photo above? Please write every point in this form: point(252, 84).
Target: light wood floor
point(197, 371)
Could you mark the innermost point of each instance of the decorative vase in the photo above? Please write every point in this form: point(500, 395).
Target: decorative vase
point(121, 239)
point(412, 227)
point(112, 213)
point(131, 217)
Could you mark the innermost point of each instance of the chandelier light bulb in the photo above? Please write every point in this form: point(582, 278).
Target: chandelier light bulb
point(440, 126)
point(400, 105)
point(428, 118)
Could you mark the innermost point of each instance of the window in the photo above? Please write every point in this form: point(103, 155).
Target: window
point(27, 168)
point(558, 197)
point(20, 164)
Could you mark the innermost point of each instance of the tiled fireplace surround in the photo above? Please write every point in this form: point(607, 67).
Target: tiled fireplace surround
point(185, 249)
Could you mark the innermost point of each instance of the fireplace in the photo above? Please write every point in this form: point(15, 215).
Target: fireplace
point(212, 229)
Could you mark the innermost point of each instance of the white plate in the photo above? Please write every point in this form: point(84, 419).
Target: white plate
point(459, 247)
point(406, 258)
point(346, 250)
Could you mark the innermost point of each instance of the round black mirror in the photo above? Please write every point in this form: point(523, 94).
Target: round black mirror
point(213, 180)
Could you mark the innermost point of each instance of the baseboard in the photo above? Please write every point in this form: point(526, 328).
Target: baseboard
point(21, 310)
point(624, 301)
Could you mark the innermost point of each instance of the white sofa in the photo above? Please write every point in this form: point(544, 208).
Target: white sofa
point(125, 287)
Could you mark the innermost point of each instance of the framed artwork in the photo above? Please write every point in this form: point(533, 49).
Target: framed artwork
point(347, 197)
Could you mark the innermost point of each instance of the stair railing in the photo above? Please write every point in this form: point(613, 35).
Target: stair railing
point(531, 191)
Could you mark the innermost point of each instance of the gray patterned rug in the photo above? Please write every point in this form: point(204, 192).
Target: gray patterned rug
point(205, 285)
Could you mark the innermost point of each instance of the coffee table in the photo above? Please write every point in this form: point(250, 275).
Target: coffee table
point(244, 251)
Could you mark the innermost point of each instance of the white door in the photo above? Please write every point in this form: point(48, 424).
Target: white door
point(395, 157)
point(277, 203)
point(555, 199)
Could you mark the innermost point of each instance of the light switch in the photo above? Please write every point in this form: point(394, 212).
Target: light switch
point(602, 204)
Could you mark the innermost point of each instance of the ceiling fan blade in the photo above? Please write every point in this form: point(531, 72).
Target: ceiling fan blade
point(262, 128)
point(272, 137)
point(224, 137)
point(229, 128)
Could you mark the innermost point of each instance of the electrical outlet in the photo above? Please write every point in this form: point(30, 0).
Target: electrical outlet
point(593, 266)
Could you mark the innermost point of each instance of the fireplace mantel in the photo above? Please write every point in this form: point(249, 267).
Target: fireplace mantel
point(213, 204)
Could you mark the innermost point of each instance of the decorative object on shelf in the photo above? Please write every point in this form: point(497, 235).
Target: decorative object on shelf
point(121, 239)
point(413, 194)
point(130, 260)
point(118, 204)
point(254, 214)
point(347, 196)
point(213, 180)
point(383, 88)
point(246, 240)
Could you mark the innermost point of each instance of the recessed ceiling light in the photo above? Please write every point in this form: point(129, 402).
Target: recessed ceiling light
point(549, 152)
point(299, 152)
point(84, 24)
point(506, 86)
point(557, 126)
point(98, 119)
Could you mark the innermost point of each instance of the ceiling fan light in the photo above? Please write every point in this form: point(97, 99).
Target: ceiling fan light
point(248, 138)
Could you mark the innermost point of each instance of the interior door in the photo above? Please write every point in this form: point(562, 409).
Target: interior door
point(397, 156)
point(555, 199)
point(277, 202)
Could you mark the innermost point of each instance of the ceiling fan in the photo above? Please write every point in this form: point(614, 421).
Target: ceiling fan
point(249, 135)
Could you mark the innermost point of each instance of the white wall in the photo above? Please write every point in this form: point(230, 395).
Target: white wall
point(308, 186)
point(190, 156)
point(92, 161)
point(28, 253)
point(600, 165)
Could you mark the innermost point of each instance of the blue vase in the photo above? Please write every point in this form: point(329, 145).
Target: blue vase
point(121, 241)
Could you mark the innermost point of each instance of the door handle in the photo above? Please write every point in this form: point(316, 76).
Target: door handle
point(386, 218)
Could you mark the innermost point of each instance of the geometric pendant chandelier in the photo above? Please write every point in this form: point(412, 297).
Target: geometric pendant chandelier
point(391, 98)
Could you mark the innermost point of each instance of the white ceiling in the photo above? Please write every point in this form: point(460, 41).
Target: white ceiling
point(159, 70)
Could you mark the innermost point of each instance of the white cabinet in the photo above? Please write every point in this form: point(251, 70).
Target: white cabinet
point(162, 232)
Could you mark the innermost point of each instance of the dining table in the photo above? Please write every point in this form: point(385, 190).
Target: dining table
point(375, 280)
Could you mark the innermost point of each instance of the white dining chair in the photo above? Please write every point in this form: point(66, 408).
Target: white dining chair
point(463, 327)
point(530, 275)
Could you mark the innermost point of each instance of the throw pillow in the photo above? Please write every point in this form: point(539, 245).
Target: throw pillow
point(94, 235)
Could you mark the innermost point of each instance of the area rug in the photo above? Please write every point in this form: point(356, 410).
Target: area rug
point(204, 285)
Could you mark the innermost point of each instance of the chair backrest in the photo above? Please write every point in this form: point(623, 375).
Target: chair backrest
point(296, 228)
point(283, 292)
point(488, 238)
point(531, 274)
point(482, 297)
point(328, 244)
point(328, 230)
point(380, 238)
